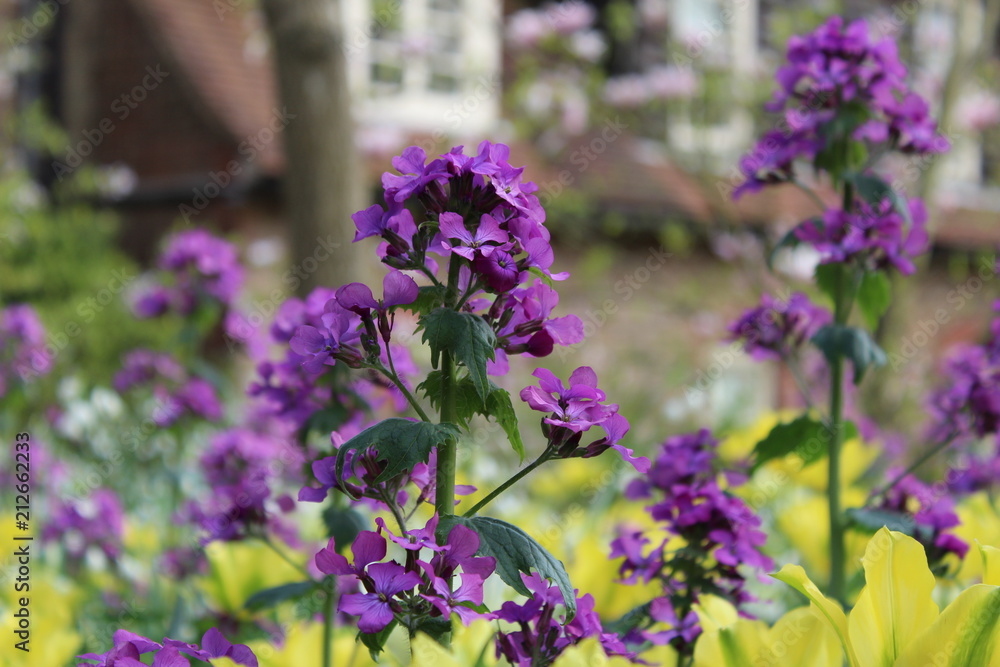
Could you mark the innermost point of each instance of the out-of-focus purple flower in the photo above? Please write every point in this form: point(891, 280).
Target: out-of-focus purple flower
point(877, 236)
point(720, 535)
point(776, 329)
point(23, 354)
point(176, 393)
point(197, 267)
point(969, 402)
point(241, 466)
point(927, 512)
point(835, 67)
point(97, 521)
point(128, 647)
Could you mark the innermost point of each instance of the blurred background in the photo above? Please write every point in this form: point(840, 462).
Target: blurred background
point(270, 121)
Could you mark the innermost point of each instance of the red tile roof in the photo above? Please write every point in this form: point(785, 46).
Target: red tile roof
point(210, 42)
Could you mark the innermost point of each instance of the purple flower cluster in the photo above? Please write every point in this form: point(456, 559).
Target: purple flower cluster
point(129, 647)
point(968, 405)
point(476, 212)
point(719, 535)
point(839, 67)
point(930, 510)
point(875, 236)
point(542, 635)
point(418, 588)
point(240, 466)
point(176, 392)
point(574, 410)
point(776, 329)
point(94, 522)
point(202, 268)
point(22, 347)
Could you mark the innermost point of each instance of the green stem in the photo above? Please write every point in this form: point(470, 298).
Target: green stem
point(274, 547)
point(842, 301)
point(394, 378)
point(447, 452)
point(926, 456)
point(545, 456)
point(329, 614)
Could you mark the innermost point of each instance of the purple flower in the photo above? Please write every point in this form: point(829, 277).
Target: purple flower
point(97, 521)
point(376, 608)
point(447, 601)
point(128, 647)
point(375, 221)
point(498, 270)
point(577, 407)
point(876, 236)
point(776, 329)
point(473, 243)
point(414, 176)
point(23, 353)
point(322, 346)
point(368, 548)
point(398, 289)
point(926, 513)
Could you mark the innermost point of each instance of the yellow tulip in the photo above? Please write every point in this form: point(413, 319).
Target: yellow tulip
point(800, 638)
point(896, 623)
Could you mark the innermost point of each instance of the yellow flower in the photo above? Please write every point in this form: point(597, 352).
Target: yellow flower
point(54, 639)
point(896, 623)
point(303, 644)
point(237, 570)
point(470, 646)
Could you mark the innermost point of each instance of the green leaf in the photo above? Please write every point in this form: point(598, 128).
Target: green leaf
point(827, 277)
point(328, 419)
point(515, 552)
point(467, 401)
point(271, 597)
point(343, 524)
point(499, 406)
point(843, 342)
point(873, 520)
point(874, 297)
point(429, 297)
point(375, 641)
point(401, 444)
point(467, 337)
point(874, 190)
point(435, 627)
point(807, 437)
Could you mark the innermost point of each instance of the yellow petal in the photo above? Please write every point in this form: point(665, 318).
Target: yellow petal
point(796, 577)
point(428, 653)
point(966, 634)
point(802, 637)
point(991, 564)
point(588, 653)
point(895, 605)
point(735, 646)
point(715, 613)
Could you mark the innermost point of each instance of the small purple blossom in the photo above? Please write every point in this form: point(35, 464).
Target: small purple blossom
point(23, 354)
point(128, 647)
point(776, 329)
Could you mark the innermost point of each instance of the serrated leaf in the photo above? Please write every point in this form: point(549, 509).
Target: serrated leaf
point(375, 641)
point(467, 337)
point(343, 524)
point(401, 444)
point(271, 597)
point(516, 552)
point(807, 437)
point(499, 406)
point(467, 401)
point(874, 297)
point(429, 297)
point(844, 342)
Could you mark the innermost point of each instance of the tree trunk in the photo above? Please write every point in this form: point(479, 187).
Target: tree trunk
point(322, 182)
